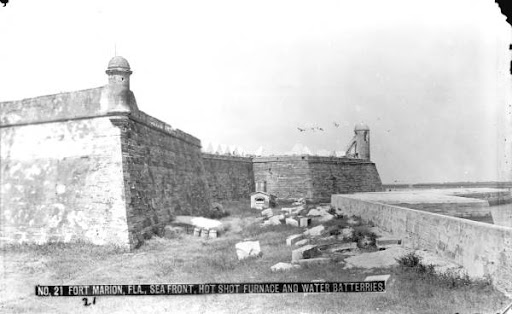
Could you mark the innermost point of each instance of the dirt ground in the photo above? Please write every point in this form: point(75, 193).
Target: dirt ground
point(188, 259)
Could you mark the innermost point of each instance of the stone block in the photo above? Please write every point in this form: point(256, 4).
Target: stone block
point(247, 249)
point(316, 231)
point(325, 218)
point(292, 222)
point(304, 221)
point(314, 261)
point(384, 241)
point(297, 254)
point(291, 240)
point(315, 212)
point(302, 242)
point(273, 221)
point(342, 247)
point(284, 267)
point(378, 278)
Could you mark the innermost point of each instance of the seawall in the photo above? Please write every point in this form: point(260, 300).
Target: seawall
point(484, 250)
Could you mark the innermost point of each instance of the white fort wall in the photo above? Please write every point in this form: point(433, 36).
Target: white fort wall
point(484, 250)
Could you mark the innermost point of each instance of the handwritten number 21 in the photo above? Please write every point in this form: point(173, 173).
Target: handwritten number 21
point(86, 301)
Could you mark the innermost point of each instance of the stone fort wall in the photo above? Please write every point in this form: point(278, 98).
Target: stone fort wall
point(61, 171)
point(89, 165)
point(230, 178)
point(163, 175)
point(315, 178)
point(73, 169)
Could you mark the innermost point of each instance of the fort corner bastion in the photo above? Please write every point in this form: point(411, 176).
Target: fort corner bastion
point(90, 166)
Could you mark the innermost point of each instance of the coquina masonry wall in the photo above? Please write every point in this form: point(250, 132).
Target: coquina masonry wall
point(74, 169)
point(229, 177)
point(61, 171)
point(482, 249)
point(163, 174)
point(286, 177)
point(315, 178)
point(330, 175)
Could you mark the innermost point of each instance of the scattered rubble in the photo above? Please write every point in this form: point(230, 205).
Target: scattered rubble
point(247, 249)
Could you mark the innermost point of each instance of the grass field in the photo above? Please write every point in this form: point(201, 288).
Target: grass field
point(193, 260)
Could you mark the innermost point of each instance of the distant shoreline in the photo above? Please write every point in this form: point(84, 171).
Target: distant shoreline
point(484, 184)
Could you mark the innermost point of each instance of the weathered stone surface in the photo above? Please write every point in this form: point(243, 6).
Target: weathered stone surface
point(315, 231)
point(292, 222)
point(314, 177)
point(213, 234)
point(156, 188)
point(272, 221)
point(302, 242)
point(247, 249)
point(298, 253)
point(457, 240)
point(229, 177)
point(314, 261)
point(325, 218)
point(378, 259)
point(378, 278)
point(383, 241)
point(199, 222)
point(50, 172)
point(341, 247)
point(284, 267)
point(304, 221)
point(291, 240)
point(292, 210)
point(315, 212)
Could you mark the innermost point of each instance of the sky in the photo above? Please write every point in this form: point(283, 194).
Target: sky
point(430, 78)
